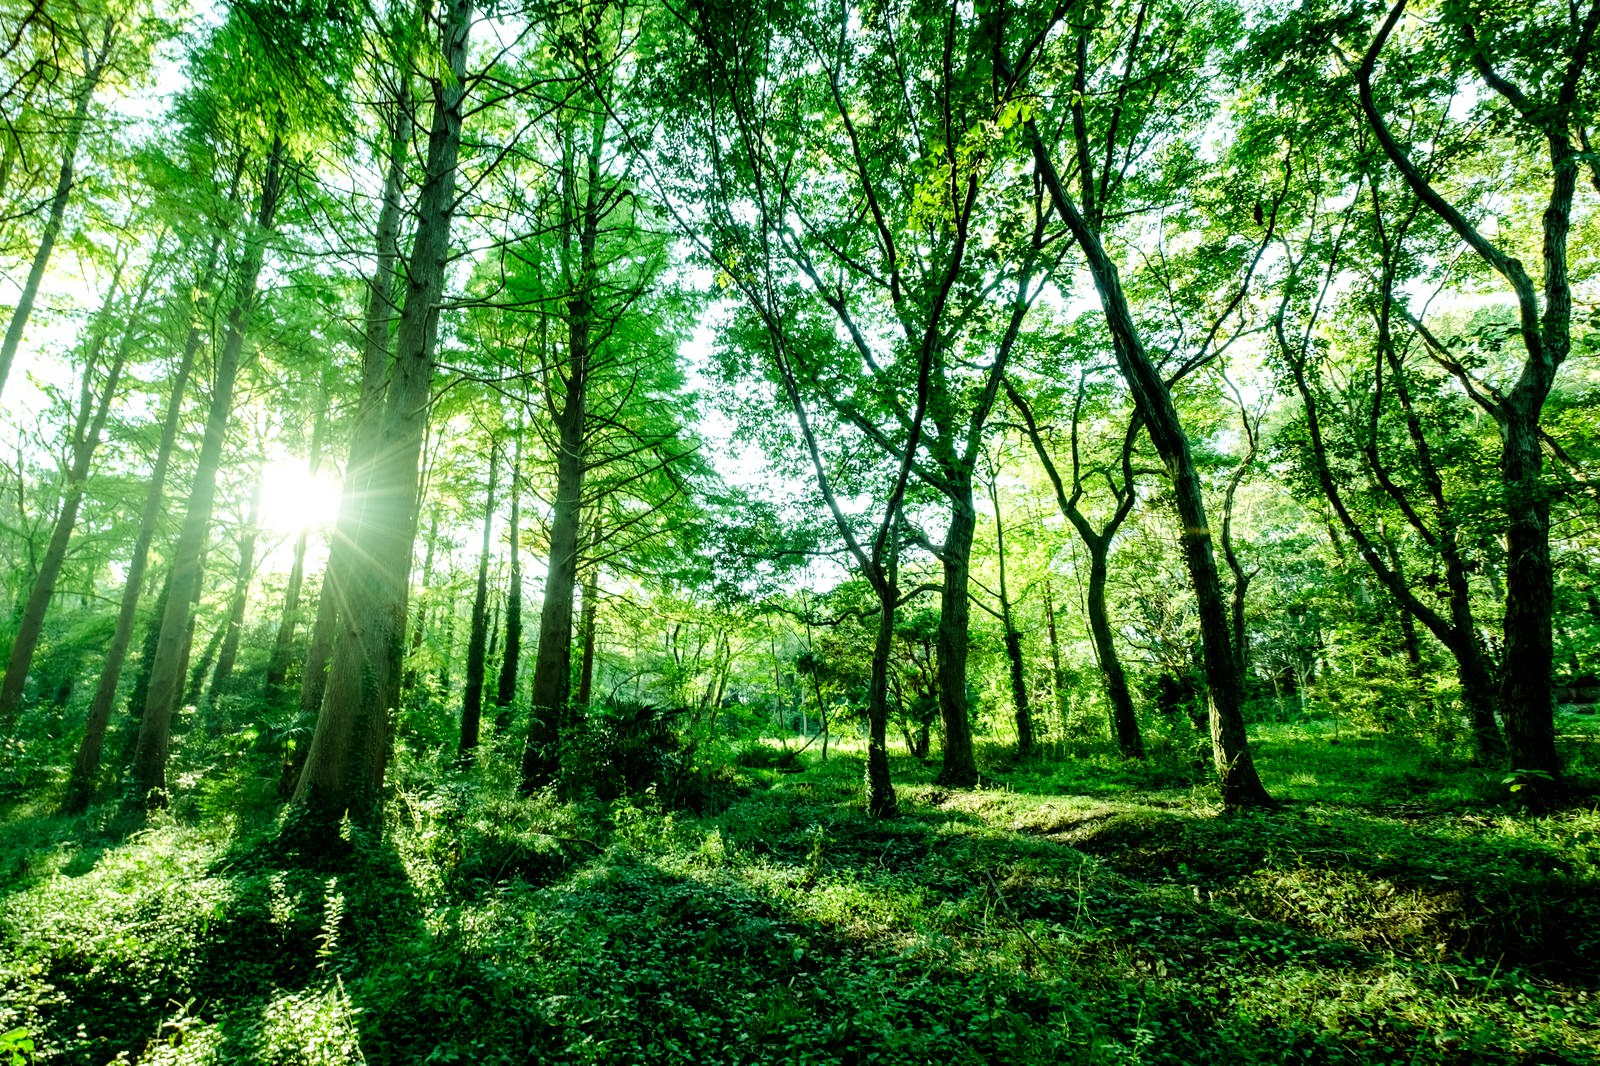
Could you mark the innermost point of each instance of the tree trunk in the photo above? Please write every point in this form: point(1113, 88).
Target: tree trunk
point(58, 203)
point(349, 750)
point(1527, 693)
point(86, 432)
point(283, 644)
point(229, 652)
point(506, 684)
point(155, 727)
point(552, 672)
point(1240, 784)
point(86, 768)
point(588, 624)
point(960, 769)
point(472, 703)
point(1124, 722)
point(1013, 639)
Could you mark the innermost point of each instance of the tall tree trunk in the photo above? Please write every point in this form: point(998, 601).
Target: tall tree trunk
point(85, 440)
point(344, 551)
point(349, 750)
point(1240, 784)
point(472, 702)
point(166, 679)
point(66, 177)
point(86, 767)
point(506, 684)
point(228, 654)
point(552, 670)
point(960, 768)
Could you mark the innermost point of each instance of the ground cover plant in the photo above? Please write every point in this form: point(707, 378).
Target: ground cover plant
point(1060, 912)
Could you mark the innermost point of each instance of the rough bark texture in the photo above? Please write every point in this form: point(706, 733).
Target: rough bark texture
point(1124, 722)
point(348, 755)
point(166, 677)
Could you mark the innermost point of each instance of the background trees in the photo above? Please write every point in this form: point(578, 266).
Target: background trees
point(849, 319)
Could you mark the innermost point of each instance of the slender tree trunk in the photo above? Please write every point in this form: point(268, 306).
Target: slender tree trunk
point(155, 727)
point(1013, 639)
point(65, 180)
point(197, 677)
point(960, 768)
point(881, 801)
point(86, 433)
point(1527, 692)
point(588, 624)
point(234, 626)
point(506, 684)
point(86, 768)
point(1124, 722)
point(283, 644)
point(349, 751)
point(1057, 680)
point(472, 703)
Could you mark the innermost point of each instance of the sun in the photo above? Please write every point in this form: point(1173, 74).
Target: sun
point(294, 500)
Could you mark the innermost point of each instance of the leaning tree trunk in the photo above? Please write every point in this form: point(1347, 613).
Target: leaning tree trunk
point(166, 678)
point(365, 433)
point(86, 432)
point(65, 179)
point(472, 701)
point(80, 786)
point(1124, 722)
point(345, 765)
point(1240, 784)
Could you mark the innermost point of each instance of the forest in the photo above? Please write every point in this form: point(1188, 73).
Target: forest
point(799, 531)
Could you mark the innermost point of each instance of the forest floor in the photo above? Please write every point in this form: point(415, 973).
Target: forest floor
point(1074, 909)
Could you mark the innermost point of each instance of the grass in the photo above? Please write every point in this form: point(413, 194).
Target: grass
point(1074, 910)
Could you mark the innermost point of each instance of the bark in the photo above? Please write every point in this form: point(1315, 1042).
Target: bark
point(506, 684)
point(552, 671)
point(155, 726)
point(65, 179)
point(472, 702)
point(1124, 723)
point(86, 767)
point(345, 765)
point(87, 430)
point(228, 654)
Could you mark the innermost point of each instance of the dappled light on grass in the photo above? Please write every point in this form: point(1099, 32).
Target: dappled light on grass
point(998, 925)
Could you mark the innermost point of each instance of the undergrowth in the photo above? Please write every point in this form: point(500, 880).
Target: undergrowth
point(1067, 912)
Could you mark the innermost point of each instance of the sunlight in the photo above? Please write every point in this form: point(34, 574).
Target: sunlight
point(293, 499)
